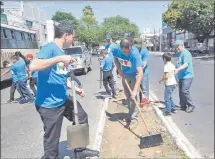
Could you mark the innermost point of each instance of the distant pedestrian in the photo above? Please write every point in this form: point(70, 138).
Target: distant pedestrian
point(19, 69)
point(170, 83)
point(14, 85)
point(107, 66)
point(33, 76)
point(185, 76)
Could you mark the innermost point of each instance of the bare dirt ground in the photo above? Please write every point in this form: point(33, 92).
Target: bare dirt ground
point(119, 142)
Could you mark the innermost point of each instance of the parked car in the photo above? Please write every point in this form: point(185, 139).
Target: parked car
point(83, 57)
point(95, 51)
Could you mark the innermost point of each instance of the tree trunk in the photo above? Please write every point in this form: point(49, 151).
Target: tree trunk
point(207, 48)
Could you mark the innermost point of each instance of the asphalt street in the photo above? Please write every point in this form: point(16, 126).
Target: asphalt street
point(197, 126)
point(21, 126)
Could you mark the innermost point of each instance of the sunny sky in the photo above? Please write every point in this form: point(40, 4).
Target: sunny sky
point(145, 14)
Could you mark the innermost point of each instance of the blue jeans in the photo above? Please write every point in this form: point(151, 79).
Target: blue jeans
point(24, 90)
point(168, 98)
point(184, 93)
point(145, 85)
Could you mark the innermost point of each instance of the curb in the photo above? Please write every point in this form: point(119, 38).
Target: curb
point(101, 124)
point(179, 139)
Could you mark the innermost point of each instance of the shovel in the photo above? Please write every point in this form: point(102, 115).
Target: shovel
point(77, 134)
point(150, 139)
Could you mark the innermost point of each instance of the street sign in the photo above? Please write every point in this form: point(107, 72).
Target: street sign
point(4, 19)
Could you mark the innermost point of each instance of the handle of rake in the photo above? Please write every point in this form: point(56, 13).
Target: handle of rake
point(136, 104)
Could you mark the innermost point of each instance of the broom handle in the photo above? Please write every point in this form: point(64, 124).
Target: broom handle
point(141, 91)
point(74, 102)
point(135, 101)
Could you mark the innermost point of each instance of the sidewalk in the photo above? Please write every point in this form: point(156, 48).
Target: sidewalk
point(119, 142)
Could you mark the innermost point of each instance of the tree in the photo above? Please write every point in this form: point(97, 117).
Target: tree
point(193, 16)
point(117, 27)
point(63, 16)
point(88, 30)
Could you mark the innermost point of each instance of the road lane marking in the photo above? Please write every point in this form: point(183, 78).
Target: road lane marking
point(180, 140)
point(101, 124)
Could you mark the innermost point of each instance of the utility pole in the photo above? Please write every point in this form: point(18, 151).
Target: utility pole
point(159, 40)
point(154, 42)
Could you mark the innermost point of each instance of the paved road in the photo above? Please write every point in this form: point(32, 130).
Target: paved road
point(198, 126)
point(21, 126)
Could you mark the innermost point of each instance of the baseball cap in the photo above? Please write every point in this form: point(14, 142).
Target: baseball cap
point(178, 42)
point(138, 42)
point(108, 37)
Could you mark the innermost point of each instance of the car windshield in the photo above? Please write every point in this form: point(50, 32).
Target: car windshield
point(74, 50)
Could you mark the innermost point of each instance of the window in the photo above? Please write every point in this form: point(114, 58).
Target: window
point(35, 37)
point(5, 35)
point(8, 34)
point(26, 36)
point(32, 37)
point(12, 34)
point(23, 37)
point(18, 35)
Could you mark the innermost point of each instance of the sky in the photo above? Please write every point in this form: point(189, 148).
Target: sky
point(145, 14)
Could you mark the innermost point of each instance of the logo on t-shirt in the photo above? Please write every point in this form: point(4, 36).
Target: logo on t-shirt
point(125, 62)
point(61, 69)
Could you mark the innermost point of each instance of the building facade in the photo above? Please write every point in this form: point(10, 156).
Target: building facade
point(26, 17)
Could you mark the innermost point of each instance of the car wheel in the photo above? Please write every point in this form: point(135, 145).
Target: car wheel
point(90, 66)
point(85, 69)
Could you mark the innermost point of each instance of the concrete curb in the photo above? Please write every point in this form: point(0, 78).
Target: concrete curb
point(101, 124)
point(179, 139)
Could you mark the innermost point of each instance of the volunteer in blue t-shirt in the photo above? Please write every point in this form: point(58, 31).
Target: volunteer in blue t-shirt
point(52, 101)
point(107, 66)
point(108, 46)
point(129, 58)
point(14, 85)
point(19, 69)
point(184, 72)
point(144, 53)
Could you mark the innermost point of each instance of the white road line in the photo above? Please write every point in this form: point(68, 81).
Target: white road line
point(100, 128)
point(180, 140)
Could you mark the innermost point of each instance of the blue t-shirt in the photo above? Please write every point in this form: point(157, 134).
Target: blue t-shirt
point(14, 78)
point(51, 83)
point(34, 74)
point(129, 63)
point(145, 56)
point(107, 63)
point(19, 70)
point(185, 57)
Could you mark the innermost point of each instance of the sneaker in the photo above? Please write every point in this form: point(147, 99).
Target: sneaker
point(10, 101)
point(82, 154)
point(173, 110)
point(23, 101)
point(190, 109)
point(167, 113)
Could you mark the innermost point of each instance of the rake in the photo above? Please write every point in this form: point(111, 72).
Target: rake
point(151, 139)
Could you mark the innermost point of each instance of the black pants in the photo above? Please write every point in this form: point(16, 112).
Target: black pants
point(13, 88)
point(108, 79)
point(33, 83)
point(52, 119)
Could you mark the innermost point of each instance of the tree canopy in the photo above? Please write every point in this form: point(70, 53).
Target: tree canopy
point(193, 16)
point(89, 31)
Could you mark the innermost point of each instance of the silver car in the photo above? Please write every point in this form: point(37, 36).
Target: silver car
point(83, 58)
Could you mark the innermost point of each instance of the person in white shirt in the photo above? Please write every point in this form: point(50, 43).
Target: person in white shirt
point(170, 83)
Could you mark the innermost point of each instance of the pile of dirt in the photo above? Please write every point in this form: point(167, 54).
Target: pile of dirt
point(120, 142)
